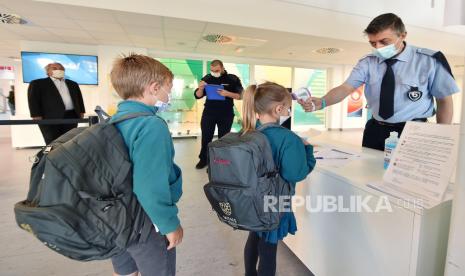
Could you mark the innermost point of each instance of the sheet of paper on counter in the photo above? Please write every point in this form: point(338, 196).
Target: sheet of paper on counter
point(422, 164)
point(334, 157)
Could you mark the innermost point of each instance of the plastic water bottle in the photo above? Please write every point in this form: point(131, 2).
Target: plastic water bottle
point(389, 147)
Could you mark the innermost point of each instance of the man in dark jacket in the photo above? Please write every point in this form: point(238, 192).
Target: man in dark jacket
point(55, 98)
point(217, 112)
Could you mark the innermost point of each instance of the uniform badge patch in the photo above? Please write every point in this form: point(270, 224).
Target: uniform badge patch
point(414, 94)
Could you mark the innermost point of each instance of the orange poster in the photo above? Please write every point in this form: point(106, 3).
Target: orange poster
point(355, 104)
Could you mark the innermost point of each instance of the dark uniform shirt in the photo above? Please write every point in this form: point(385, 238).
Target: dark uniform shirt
point(232, 84)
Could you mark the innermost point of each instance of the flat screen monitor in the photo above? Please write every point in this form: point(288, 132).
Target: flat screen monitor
point(79, 68)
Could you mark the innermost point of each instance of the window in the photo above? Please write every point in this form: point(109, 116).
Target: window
point(182, 116)
point(277, 74)
point(315, 80)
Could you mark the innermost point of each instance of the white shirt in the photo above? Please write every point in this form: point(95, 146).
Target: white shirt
point(64, 93)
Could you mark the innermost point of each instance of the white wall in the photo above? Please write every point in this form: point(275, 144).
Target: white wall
point(334, 114)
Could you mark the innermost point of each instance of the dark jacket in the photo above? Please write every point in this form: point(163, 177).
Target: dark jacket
point(45, 100)
point(221, 108)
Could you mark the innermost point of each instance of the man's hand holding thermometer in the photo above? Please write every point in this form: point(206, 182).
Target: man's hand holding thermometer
point(309, 103)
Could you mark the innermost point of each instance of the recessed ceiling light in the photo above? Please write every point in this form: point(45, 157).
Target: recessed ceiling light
point(6, 18)
point(239, 49)
point(327, 51)
point(217, 38)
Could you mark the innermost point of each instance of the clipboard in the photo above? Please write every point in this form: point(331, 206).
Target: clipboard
point(212, 92)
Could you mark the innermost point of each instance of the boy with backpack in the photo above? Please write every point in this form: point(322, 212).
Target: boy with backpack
point(110, 190)
point(142, 82)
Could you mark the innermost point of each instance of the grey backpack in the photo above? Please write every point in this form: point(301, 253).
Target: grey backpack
point(80, 201)
point(243, 180)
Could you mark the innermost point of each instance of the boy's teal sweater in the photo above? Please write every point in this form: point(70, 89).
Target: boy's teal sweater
point(157, 181)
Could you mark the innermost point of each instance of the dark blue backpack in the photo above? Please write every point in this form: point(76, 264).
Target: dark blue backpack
point(244, 180)
point(80, 201)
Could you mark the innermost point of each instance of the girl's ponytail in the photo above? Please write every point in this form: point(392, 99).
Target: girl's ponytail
point(249, 117)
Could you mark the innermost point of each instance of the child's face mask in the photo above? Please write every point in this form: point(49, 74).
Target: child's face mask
point(163, 100)
point(284, 117)
point(162, 106)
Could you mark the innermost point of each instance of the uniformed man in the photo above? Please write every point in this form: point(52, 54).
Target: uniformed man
point(401, 82)
point(217, 112)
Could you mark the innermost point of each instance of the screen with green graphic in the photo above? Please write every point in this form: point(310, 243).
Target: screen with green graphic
point(315, 80)
point(182, 114)
point(243, 72)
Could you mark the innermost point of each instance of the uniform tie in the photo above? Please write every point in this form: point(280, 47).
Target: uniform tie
point(386, 99)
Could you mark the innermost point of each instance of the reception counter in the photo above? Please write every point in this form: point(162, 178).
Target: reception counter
point(355, 241)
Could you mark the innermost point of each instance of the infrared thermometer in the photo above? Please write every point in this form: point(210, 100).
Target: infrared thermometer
point(303, 94)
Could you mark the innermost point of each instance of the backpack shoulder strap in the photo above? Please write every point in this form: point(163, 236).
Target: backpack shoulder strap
point(130, 116)
point(106, 118)
point(102, 115)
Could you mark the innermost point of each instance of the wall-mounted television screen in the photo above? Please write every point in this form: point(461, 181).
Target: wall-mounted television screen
point(79, 68)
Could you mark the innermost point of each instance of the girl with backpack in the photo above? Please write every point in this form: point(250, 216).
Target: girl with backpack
point(264, 104)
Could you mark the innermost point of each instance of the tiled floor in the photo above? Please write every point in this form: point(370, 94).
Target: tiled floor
point(208, 248)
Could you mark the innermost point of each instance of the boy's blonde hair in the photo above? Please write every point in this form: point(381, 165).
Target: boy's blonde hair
point(131, 74)
point(260, 99)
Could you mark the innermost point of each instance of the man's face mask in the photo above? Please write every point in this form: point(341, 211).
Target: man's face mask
point(216, 74)
point(58, 74)
point(387, 51)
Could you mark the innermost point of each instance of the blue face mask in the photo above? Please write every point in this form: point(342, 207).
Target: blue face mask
point(162, 106)
point(386, 52)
